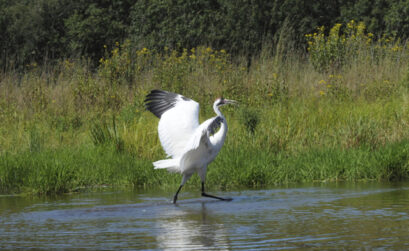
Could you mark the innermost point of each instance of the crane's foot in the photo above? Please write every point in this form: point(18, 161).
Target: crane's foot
point(212, 196)
point(216, 197)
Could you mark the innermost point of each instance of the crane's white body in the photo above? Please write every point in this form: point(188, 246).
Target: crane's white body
point(191, 146)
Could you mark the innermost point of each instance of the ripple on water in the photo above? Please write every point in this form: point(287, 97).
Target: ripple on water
point(324, 216)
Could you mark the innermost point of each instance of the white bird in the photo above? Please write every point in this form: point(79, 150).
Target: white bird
point(191, 146)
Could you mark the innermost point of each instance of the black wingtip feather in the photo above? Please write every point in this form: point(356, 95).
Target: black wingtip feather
point(158, 101)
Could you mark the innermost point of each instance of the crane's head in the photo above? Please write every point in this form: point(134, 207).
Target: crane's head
point(223, 101)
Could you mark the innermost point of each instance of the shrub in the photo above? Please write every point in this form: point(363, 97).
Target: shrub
point(343, 45)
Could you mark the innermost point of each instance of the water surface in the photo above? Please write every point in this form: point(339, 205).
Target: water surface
point(321, 216)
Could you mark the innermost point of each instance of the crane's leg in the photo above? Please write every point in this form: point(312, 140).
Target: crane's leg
point(175, 198)
point(202, 175)
point(184, 179)
point(212, 196)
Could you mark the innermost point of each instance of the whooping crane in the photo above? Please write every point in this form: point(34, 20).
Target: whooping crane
point(191, 146)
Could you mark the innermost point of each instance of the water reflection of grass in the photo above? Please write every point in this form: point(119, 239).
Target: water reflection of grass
point(69, 127)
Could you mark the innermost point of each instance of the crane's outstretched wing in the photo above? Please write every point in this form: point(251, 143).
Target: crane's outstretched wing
point(179, 118)
point(203, 133)
point(201, 137)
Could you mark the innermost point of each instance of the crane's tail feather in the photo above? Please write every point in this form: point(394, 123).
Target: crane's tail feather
point(171, 164)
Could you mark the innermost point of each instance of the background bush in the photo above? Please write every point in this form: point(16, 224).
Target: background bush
point(44, 30)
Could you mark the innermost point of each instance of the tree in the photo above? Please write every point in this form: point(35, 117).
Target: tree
point(96, 23)
point(397, 20)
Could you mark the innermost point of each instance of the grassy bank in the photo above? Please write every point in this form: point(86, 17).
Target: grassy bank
point(78, 169)
point(341, 112)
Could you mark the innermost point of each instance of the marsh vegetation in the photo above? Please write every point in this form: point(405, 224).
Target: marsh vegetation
point(339, 111)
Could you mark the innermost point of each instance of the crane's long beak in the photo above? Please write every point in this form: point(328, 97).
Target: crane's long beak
point(232, 102)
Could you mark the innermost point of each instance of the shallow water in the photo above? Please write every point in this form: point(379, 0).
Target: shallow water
point(321, 216)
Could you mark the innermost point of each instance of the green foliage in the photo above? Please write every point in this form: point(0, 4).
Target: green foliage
point(371, 13)
point(397, 19)
point(44, 31)
point(85, 91)
point(334, 87)
point(94, 24)
point(122, 64)
point(326, 52)
point(70, 126)
point(102, 134)
point(241, 27)
point(176, 25)
point(67, 170)
point(36, 140)
point(31, 31)
point(249, 118)
point(341, 47)
point(65, 123)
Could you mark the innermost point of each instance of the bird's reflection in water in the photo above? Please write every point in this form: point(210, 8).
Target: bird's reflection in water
point(191, 228)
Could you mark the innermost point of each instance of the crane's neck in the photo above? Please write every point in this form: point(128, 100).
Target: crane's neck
point(218, 138)
point(217, 111)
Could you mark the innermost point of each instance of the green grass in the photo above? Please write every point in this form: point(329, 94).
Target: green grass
point(68, 170)
point(73, 128)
